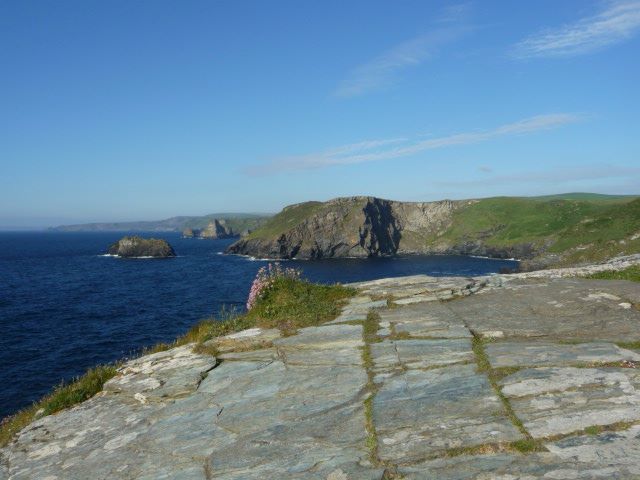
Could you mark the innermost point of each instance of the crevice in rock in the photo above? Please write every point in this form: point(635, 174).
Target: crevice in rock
point(528, 444)
point(4, 462)
point(369, 335)
point(208, 473)
point(205, 373)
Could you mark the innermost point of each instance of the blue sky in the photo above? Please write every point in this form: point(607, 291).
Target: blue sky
point(128, 110)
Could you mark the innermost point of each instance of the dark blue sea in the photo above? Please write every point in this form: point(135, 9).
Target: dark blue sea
point(65, 308)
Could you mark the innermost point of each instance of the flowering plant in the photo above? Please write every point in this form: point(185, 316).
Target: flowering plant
point(266, 277)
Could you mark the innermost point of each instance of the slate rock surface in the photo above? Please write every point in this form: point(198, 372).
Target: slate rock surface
point(447, 385)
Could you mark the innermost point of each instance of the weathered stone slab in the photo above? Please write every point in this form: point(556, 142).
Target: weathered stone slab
point(323, 337)
point(326, 345)
point(503, 466)
point(319, 447)
point(527, 354)
point(357, 309)
point(552, 401)
point(606, 456)
point(420, 288)
point(262, 355)
point(290, 421)
point(362, 305)
point(92, 437)
point(428, 320)
point(609, 454)
point(419, 413)
point(172, 373)
point(391, 354)
point(246, 419)
point(348, 317)
point(245, 339)
point(559, 309)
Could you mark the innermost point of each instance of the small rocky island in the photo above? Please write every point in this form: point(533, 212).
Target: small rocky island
point(132, 247)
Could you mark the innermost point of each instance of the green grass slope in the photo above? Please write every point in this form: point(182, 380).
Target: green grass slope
point(576, 230)
point(590, 197)
point(287, 219)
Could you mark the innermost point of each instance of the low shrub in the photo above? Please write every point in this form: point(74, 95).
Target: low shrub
point(630, 273)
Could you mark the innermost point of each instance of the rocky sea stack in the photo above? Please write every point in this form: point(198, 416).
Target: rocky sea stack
point(217, 229)
point(131, 247)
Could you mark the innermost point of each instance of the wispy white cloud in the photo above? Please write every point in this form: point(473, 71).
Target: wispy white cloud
point(619, 21)
point(555, 177)
point(377, 150)
point(384, 69)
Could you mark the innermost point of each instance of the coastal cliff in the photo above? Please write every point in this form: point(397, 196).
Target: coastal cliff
point(542, 231)
point(532, 375)
point(216, 229)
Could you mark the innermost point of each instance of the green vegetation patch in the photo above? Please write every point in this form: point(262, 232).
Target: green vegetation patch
point(629, 345)
point(631, 273)
point(293, 303)
point(286, 220)
point(63, 396)
point(287, 304)
point(370, 335)
point(582, 227)
point(528, 444)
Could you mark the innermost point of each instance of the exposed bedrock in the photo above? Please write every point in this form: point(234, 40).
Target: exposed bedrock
point(368, 227)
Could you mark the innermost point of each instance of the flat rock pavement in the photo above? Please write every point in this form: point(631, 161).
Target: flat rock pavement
point(504, 377)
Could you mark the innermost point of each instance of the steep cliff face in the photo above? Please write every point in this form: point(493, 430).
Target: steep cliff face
point(347, 227)
point(215, 230)
point(544, 231)
point(380, 234)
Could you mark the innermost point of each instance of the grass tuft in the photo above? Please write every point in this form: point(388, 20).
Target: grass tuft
point(370, 335)
point(289, 304)
point(502, 372)
point(528, 444)
point(629, 345)
point(371, 326)
point(631, 273)
point(63, 396)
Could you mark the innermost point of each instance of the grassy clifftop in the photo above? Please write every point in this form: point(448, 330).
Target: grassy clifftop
point(579, 229)
point(551, 230)
point(288, 218)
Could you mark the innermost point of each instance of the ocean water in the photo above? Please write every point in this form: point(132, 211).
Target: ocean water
point(65, 307)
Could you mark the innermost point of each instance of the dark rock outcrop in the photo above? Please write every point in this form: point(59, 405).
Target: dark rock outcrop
point(131, 247)
point(352, 227)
